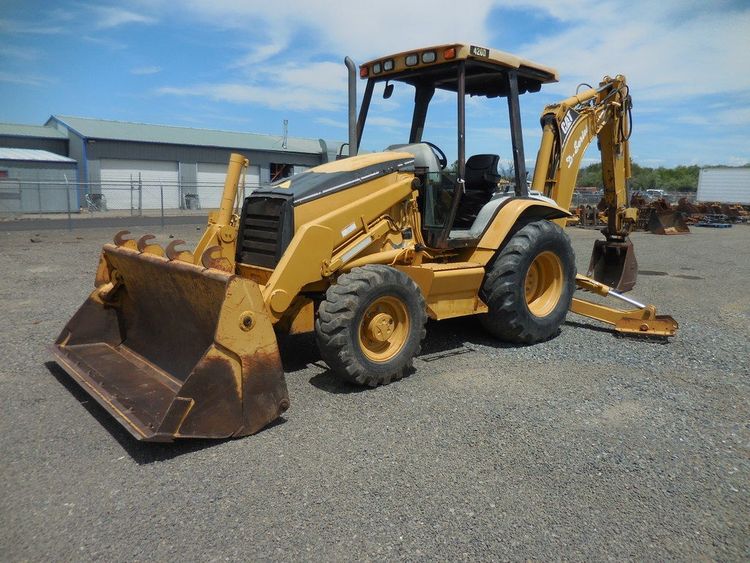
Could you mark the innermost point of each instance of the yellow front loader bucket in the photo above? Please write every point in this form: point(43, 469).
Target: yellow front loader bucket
point(175, 350)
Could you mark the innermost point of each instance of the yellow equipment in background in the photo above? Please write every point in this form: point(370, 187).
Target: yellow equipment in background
point(362, 251)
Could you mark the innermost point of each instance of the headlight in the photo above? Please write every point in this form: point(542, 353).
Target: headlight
point(376, 68)
point(428, 57)
point(411, 60)
point(388, 65)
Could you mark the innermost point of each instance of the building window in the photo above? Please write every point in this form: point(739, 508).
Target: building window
point(279, 171)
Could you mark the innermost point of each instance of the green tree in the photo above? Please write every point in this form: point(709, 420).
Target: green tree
point(679, 178)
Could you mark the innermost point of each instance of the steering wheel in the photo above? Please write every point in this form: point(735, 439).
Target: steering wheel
point(442, 160)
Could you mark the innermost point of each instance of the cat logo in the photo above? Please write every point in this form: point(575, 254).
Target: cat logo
point(567, 123)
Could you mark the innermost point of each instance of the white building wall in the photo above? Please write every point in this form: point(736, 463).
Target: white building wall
point(211, 182)
point(121, 181)
point(725, 185)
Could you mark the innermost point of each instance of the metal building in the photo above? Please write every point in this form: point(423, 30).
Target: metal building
point(33, 137)
point(136, 165)
point(35, 181)
point(724, 184)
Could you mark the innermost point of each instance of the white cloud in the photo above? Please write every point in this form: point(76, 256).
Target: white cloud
point(663, 45)
point(143, 70)
point(27, 28)
point(292, 86)
point(674, 48)
point(19, 53)
point(259, 53)
point(340, 124)
point(110, 16)
point(298, 99)
point(24, 79)
point(360, 29)
point(107, 42)
point(718, 119)
point(668, 50)
point(380, 121)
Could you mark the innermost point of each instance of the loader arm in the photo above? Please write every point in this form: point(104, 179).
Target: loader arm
point(217, 247)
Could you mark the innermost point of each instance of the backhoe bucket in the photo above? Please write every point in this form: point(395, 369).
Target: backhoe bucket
point(613, 263)
point(667, 223)
point(174, 350)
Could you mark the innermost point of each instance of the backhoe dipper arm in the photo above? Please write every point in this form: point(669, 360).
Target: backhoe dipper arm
point(568, 128)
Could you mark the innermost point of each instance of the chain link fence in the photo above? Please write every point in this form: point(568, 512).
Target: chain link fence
point(66, 200)
point(593, 198)
point(21, 200)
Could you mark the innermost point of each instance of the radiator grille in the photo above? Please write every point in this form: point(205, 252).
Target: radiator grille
point(265, 230)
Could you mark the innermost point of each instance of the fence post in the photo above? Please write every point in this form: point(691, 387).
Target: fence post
point(39, 196)
point(140, 195)
point(67, 202)
point(161, 195)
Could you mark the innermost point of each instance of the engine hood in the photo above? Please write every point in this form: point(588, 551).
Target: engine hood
point(338, 175)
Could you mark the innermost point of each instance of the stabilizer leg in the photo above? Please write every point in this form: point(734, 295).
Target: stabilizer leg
point(642, 320)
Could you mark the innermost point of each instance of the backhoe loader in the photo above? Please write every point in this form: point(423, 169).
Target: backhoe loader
point(361, 251)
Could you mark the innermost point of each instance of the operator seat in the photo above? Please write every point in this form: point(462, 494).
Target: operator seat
point(480, 183)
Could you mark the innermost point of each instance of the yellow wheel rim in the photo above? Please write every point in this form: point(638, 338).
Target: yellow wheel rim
point(544, 284)
point(384, 329)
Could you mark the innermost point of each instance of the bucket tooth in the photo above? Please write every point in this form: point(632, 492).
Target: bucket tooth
point(145, 247)
point(212, 258)
point(173, 254)
point(120, 240)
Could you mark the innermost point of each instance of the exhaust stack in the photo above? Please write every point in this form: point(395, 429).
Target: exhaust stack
point(352, 80)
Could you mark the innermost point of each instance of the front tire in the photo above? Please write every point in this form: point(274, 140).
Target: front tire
point(529, 287)
point(371, 325)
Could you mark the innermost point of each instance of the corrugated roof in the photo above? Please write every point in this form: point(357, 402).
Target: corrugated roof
point(17, 130)
point(169, 134)
point(32, 154)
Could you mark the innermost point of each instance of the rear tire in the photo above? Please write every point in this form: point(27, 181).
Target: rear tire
point(371, 325)
point(529, 287)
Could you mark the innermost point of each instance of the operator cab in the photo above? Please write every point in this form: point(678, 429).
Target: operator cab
point(457, 202)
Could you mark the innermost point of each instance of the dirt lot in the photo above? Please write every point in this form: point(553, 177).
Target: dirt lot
point(589, 446)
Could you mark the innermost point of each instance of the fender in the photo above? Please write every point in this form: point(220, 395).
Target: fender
point(504, 221)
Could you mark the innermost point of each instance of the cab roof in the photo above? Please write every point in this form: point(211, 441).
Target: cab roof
point(436, 65)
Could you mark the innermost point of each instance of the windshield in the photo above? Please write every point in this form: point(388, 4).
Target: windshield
point(388, 121)
point(487, 124)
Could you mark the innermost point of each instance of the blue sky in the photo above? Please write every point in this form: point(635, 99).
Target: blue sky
point(248, 65)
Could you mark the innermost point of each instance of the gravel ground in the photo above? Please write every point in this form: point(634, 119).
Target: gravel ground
point(589, 446)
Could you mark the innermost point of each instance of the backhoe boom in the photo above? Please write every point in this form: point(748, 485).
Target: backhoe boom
point(568, 129)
